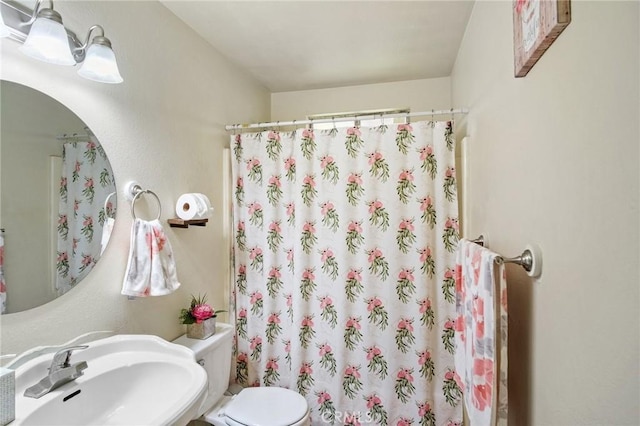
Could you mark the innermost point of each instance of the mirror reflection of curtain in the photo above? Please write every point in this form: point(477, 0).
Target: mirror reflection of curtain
point(86, 179)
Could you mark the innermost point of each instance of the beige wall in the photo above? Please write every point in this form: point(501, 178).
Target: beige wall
point(553, 160)
point(163, 127)
point(419, 95)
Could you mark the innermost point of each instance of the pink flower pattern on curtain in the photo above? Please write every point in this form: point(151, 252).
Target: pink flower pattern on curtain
point(86, 178)
point(344, 261)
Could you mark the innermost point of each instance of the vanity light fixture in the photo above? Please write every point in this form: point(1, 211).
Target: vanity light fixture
point(99, 60)
point(47, 40)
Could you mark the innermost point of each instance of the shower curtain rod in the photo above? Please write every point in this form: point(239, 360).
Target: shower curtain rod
point(366, 116)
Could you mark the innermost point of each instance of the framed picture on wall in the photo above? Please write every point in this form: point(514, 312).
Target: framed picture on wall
point(536, 24)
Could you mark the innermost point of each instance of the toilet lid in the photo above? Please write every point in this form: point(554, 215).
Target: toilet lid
point(271, 406)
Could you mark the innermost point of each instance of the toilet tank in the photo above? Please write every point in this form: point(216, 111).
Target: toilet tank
point(214, 354)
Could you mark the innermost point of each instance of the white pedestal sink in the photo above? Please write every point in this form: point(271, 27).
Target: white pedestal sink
point(130, 380)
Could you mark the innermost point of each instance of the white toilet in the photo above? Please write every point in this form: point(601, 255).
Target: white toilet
point(257, 406)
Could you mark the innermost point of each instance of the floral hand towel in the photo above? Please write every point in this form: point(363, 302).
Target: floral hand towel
point(481, 334)
point(151, 269)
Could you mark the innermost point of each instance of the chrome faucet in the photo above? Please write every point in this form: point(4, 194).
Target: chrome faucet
point(60, 372)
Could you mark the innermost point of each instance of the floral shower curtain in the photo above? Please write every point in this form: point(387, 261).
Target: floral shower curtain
point(344, 270)
point(85, 183)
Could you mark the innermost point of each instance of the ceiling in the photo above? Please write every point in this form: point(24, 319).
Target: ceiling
point(302, 45)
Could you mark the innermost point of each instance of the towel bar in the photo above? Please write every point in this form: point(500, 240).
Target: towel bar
point(530, 259)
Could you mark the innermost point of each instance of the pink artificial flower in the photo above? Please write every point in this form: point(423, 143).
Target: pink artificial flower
point(202, 312)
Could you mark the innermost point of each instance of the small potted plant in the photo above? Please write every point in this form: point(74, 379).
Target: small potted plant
point(200, 318)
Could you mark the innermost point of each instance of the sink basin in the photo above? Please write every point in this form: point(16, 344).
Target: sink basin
point(130, 380)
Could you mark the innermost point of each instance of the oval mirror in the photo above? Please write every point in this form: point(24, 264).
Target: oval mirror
point(57, 198)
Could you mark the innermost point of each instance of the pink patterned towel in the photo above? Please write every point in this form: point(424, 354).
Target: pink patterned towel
point(151, 270)
point(481, 334)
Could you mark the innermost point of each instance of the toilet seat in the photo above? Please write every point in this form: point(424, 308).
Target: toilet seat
point(272, 406)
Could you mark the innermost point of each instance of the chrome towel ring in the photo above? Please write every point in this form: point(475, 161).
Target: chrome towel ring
point(137, 191)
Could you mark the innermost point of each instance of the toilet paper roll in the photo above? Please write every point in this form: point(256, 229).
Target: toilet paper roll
point(208, 210)
point(193, 206)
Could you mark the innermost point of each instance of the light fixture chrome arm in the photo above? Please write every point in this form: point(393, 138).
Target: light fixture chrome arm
point(36, 9)
point(86, 43)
